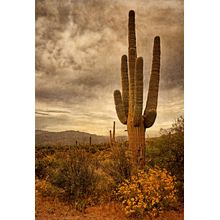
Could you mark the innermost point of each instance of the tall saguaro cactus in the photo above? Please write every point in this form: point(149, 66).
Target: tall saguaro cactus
point(129, 103)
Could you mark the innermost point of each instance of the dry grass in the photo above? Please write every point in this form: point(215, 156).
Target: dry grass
point(53, 209)
point(49, 209)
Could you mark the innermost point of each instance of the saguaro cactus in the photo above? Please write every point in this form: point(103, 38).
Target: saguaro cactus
point(112, 137)
point(110, 134)
point(129, 103)
point(90, 140)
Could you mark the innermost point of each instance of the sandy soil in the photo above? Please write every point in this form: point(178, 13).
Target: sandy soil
point(48, 209)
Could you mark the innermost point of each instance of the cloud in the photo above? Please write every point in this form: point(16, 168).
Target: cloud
point(78, 49)
point(40, 113)
point(47, 112)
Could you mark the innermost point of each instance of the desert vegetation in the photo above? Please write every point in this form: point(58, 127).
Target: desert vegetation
point(138, 181)
point(86, 176)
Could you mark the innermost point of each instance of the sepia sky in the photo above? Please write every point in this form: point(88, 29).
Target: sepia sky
point(79, 44)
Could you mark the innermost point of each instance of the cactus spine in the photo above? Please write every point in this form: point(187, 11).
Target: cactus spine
point(129, 103)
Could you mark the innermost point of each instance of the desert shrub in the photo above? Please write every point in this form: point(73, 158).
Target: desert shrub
point(76, 176)
point(73, 175)
point(150, 192)
point(167, 151)
point(43, 165)
point(119, 165)
point(44, 160)
point(45, 150)
point(45, 188)
point(104, 189)
point(40, 168)
point(94, 148)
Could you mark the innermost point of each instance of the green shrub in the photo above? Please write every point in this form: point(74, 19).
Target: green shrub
point(167, 151)
point(41, 168)
point(76, 176)
point(44, 165)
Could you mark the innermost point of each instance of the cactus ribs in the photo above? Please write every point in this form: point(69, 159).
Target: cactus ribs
point(129, 103)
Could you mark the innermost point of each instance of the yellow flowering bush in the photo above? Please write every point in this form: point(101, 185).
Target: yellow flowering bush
point(150, 192)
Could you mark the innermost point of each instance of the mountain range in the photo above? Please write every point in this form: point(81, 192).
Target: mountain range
point(70, 138)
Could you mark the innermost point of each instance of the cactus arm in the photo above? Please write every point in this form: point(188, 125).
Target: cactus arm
point(125, 83)
point(138, 94)
point(150, 111)
point(132, 55)
point(119, 106)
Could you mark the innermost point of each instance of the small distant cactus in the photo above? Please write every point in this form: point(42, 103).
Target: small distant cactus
point(129, 103)
point(112, 136)
point(90, 140)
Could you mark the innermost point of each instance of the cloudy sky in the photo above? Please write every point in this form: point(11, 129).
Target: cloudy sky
point(79, 44)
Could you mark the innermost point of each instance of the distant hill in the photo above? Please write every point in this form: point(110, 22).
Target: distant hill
point(69, 138)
